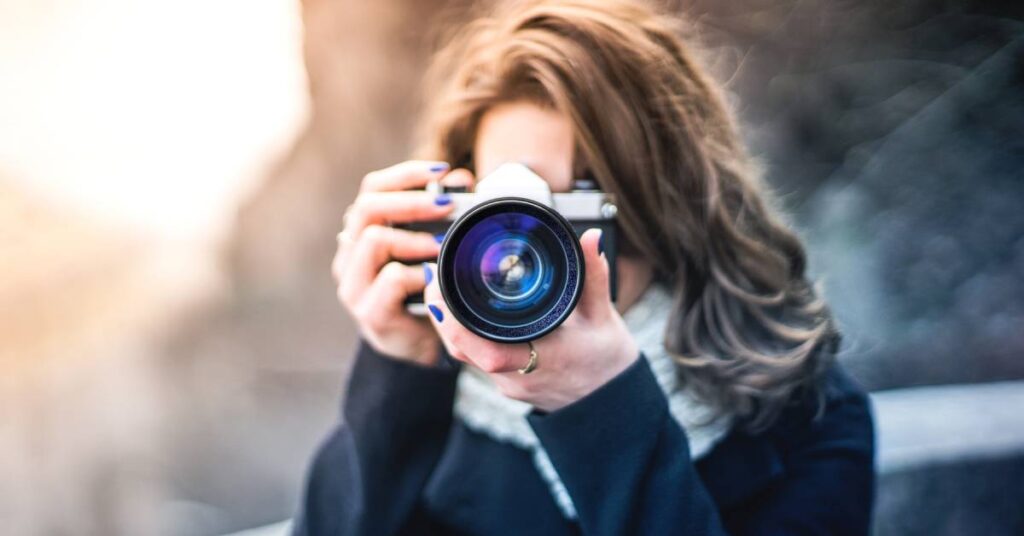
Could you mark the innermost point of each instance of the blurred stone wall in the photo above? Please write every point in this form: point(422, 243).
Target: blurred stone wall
point(891, 132)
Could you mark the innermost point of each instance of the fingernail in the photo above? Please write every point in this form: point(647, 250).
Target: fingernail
point(436, 168)
point(438, 315)
point(600, 243)
point(439, 237)
point(442, 200)
point(428, 275)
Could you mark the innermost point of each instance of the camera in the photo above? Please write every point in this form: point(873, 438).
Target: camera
point(511, 268)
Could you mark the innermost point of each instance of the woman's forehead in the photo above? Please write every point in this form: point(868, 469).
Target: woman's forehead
point(541, 138)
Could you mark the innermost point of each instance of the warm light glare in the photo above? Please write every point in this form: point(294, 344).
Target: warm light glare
point(156, 114)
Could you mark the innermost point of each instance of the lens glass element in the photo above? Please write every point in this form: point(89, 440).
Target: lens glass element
point(512, 270)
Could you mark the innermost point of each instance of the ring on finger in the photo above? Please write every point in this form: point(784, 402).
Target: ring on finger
point(531, 365)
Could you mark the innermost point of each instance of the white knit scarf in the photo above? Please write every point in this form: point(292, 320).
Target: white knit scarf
point(483, 408)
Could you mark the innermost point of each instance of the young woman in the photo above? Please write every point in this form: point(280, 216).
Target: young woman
point(705, 400)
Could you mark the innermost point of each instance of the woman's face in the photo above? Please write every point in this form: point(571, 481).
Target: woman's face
point(543, 140)
point(540, 138)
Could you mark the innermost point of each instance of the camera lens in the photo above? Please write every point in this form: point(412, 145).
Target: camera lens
point(511, 270)
point(505, 269)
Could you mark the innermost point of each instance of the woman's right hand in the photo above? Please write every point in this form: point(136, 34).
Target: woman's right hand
point(372, 285)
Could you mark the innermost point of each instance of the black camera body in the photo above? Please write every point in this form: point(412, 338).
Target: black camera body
point(511, 268)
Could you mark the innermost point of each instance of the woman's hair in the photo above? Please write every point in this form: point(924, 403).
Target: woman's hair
point(746, 329)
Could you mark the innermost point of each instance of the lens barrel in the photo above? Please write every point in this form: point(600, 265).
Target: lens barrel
point(511, 269)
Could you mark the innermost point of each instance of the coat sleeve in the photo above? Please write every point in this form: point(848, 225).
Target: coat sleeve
point(625, 463)
point(367, 476)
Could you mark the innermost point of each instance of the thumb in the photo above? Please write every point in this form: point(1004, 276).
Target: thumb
point(596, 297)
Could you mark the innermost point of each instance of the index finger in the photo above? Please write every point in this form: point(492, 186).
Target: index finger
point(395, 207)
point(403, 176)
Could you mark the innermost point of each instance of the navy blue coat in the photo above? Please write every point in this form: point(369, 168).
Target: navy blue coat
point(399, 463)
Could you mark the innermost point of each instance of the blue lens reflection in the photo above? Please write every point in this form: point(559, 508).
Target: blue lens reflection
point(511, 269)
point(506, 266)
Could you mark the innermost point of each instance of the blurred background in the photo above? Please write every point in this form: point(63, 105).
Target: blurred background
point(172, 175)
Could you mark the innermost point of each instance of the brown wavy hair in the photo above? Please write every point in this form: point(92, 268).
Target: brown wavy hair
point(747, 329)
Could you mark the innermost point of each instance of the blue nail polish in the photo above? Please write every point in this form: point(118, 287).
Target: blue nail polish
point(600, 244)
point(438, 168)
point(438, 315)
point(442, 200)
point(439, 237)
point(428, 275)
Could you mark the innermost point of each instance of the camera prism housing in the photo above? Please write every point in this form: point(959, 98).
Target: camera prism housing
point(510, 267)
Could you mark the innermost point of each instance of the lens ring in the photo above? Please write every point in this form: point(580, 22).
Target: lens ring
point(560, 285)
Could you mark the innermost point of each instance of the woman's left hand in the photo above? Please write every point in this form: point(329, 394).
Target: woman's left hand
point(590, 348)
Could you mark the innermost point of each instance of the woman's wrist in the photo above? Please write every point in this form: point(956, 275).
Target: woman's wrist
point(626, 357)
point(604, 371)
